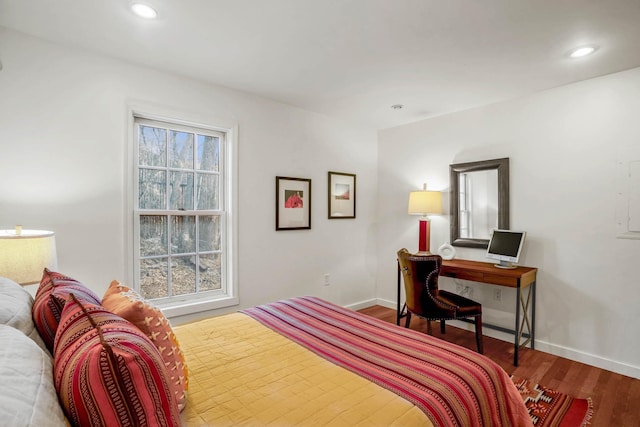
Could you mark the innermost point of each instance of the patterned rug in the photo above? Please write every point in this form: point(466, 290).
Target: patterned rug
point(549, 408)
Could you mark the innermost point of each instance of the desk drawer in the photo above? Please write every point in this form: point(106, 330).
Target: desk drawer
point(463, 274)
point(501, 280)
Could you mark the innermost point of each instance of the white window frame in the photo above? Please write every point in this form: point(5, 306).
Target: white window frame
point(194, 303)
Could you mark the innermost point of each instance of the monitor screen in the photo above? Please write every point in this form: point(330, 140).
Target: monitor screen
point(505, 246)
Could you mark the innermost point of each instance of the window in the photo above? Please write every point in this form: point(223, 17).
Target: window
point(182, 224)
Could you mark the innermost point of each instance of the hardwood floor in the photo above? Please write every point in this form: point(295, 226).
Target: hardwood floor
point(616, 398)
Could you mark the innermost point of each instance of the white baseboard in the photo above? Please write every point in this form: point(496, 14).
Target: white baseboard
point(363, 304)
point(386, 303)
point(589, 359)
point(555, 349)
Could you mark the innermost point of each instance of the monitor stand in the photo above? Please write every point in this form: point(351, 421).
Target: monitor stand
point(506, 265)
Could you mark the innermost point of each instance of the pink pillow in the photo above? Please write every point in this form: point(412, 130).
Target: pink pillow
point(128, 304)
point(107, 373)
point(49, 301)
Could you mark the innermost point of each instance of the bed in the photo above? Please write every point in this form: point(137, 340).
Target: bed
point(305, 361)
point(297, 362)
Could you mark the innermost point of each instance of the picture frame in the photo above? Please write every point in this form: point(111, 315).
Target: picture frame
point(293, 203)
point(341, 193)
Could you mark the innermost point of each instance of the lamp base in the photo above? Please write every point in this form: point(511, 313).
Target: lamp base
point(424, 237)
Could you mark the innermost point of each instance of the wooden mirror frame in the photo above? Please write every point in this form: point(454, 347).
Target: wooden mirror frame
point(502, 165)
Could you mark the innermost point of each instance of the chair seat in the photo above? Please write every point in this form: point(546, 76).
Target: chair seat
point(465, 306)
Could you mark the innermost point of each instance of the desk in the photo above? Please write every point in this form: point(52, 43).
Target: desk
point(485, 272)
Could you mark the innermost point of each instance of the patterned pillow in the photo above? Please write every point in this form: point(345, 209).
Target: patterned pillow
point(50, 299)
point(107, 373)
point(128, 304)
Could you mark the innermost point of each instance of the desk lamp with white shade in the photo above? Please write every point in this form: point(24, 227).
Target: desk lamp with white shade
point(423, 203)
point(24, 254)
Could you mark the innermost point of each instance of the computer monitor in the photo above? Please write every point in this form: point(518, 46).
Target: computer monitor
point(505, 246)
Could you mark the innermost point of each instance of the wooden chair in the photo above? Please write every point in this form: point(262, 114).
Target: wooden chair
point(424, 299)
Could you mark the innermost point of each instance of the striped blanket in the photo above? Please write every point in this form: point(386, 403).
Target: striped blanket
point(452, 385)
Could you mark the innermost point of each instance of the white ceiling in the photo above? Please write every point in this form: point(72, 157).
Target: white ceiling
point(353, 59)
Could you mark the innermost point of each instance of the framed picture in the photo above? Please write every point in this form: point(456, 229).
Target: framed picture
point(342, 195)
point(293, 203)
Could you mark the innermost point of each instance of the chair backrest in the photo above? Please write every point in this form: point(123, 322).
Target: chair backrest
point(420, 276)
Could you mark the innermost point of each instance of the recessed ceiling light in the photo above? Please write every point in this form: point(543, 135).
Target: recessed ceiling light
point(582, 51)
point(397, 106)
point(144, 11)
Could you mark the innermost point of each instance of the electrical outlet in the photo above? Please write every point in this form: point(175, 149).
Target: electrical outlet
point(497, 294)
point(326, 279)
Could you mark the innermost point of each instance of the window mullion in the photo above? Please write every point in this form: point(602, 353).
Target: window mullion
point(197, 251)
point(167, 206)
point(195, 208)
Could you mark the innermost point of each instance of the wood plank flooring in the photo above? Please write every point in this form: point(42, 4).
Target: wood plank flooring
point(616, 398)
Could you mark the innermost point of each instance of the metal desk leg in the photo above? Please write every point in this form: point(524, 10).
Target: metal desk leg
point(528, 321)
point(398, 313)
point(517, 330)
point(533, 317)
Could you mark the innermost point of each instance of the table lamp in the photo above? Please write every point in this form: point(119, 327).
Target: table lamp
point(24, 254)
point(425, 202)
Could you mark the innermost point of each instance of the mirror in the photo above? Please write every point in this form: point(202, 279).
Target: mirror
point(479, 201)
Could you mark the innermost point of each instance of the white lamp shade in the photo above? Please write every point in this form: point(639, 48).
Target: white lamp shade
point(24, 254)
point(425, 202)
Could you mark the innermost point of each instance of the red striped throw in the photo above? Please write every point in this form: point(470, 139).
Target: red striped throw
point(454, 386)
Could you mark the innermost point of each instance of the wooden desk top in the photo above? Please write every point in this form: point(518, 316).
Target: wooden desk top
point(487, 272)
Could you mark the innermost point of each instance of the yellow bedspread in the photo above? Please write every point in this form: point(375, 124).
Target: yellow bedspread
point(243, 373)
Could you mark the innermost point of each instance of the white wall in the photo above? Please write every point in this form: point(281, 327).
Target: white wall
point(563, 145)
point(63, 136)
